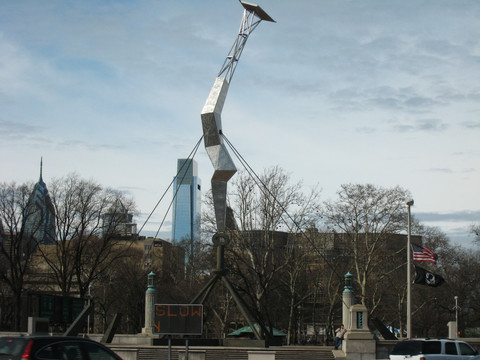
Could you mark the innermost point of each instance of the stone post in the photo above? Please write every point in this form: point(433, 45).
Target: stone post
point(347, 300)
point(359, 343)
point(452, 330)
point(150, 300)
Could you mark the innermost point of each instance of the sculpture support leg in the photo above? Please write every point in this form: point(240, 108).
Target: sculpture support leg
point(243, 308)
point(219, 191)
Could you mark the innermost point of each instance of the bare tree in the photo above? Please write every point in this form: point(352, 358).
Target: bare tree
point(476, 231)
point(89, 221)
point(17, 246)
point(434, 307)
point(197, 259)
point(271, 202)
point(259, 253)
point(295, 282)
point(367, 215)
point(332, 260)
point(121, 290)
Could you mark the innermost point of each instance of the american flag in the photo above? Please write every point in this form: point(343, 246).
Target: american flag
point(423, 254)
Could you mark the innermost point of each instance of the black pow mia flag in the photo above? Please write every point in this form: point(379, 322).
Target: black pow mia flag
point(425, 277)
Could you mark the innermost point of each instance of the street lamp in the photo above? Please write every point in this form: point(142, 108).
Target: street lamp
point(456, 314)
point(89, 300)
point(409, 307)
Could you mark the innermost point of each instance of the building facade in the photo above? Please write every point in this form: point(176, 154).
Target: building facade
point(118, 222)
point(165, 259)
point(187, 202)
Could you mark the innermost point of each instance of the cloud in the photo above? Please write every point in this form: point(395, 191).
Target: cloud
point(389, 98)
point(471, 124)
point(441, 170)
point(451, 171)
point(456, 216)
point(431, 125)
point(456, 224)
point(419, 102)
point(14, 63)
point(84, 81)
point(19, 132)
point(366, 130)
point(427, 125)
point(10, 130)
point(458, 96)
point(85, 67)
point(462, 236)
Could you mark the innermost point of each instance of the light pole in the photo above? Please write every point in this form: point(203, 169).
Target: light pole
point(89, 300)
point(456, 314)
point(409, 306)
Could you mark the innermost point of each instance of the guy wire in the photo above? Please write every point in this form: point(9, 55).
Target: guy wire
point(194, 151)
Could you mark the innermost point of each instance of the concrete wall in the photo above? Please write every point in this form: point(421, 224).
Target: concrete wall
point(221, 352)
point(125, 353)
point(140, 340)
point(128, 346)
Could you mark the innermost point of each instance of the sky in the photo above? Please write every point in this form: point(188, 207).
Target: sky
point(334, 92)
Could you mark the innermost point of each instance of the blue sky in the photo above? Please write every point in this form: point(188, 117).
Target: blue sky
point(334, 92)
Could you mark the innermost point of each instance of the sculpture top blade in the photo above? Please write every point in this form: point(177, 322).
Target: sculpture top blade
point(257, 10)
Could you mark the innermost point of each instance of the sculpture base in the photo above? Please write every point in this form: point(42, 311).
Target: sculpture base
point(359, 345)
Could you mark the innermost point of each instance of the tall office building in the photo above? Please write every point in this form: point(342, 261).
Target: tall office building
point(187, 201)
point(40, 214)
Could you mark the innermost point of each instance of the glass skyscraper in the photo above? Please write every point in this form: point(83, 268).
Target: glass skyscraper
point(187, 202)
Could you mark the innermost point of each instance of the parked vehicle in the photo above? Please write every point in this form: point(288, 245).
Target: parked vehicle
point(432, 349)
point(53, 348)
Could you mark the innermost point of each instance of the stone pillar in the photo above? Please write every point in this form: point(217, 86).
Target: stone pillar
point(150, 300)
point(37, 325)
point(359, 343)
point(347, 300)
point(452, 330)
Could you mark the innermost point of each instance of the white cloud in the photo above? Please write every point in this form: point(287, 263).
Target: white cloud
point(334, 92)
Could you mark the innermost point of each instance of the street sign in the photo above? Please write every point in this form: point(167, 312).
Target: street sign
point(178, 319)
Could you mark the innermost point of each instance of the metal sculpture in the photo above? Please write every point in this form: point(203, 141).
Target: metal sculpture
point(211, 113)
point(224, 167)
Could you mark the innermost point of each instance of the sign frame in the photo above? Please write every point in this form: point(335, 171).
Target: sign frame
point(178, 319)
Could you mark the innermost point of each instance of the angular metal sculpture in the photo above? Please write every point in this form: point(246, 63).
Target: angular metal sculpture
point(211, 113)
point(223, 165)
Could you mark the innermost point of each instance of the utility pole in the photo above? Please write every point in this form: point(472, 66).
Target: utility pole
point(409, 282)
point(89, 301)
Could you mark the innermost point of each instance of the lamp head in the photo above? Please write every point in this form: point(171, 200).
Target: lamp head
point(220, 239)
point(410, 203)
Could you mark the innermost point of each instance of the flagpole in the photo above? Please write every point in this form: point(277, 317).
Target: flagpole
point(409, 282)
